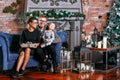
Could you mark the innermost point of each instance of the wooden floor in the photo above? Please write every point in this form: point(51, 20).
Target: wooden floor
point(68, 75)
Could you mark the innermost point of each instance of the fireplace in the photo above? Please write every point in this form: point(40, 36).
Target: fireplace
point(72, 26)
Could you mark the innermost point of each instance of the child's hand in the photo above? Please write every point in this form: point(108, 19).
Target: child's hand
point(46, 39)
point(46, 56)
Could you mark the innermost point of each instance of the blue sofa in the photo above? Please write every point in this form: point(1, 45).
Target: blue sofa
point(9, 46)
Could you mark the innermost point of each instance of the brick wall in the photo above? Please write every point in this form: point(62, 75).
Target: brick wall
point(95, 11)
point(8, 22)
point(96, 14)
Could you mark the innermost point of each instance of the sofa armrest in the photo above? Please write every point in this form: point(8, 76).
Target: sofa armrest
point(58, 46)
point(63, 36)
point(58, 50)
point(3, 54)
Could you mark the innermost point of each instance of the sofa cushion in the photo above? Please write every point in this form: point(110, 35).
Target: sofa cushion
point(12, 41)
point(14, 47)
point(13, 57)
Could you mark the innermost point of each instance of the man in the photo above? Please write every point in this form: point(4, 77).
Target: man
point(40, 52)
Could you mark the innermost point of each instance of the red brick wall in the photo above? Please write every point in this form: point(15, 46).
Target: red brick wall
point(8, 22)
point(95, 11)
point(96, 14)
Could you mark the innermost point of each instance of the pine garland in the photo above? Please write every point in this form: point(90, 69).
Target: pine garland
point(53, 13)
point(12, 8)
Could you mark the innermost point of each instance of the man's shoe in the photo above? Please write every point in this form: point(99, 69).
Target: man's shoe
point(55, 70)
point(21, 72)
point(43, 68)
point(48, 67)
point(15, 74)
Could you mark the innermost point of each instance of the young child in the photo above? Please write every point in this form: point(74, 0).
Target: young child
point(48, 38)
point(48, 35)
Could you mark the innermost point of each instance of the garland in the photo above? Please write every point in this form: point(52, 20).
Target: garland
point(53, 13)
point(12, 8)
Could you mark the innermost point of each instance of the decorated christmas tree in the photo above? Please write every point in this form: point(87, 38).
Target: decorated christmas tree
point(113, 28)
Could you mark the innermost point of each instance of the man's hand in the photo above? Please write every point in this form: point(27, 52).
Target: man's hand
point(33, 45)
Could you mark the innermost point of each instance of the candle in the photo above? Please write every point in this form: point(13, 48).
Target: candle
point(99, 44)
point(105, 42)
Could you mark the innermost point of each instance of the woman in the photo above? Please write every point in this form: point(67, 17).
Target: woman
point(29, 41)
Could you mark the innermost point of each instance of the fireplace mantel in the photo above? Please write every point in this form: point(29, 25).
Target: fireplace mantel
point(72, 26)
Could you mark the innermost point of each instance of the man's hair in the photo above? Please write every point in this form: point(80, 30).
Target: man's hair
point(42, 16)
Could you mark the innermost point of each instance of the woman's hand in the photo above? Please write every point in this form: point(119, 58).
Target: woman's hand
point(23, 45)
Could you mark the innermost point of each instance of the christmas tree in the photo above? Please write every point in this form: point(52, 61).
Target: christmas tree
point(113, 28)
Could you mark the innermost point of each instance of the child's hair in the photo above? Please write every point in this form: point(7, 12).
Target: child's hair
point(47, 27)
